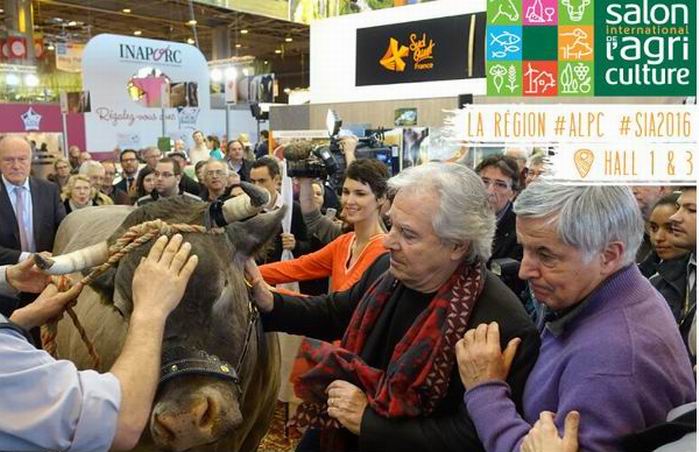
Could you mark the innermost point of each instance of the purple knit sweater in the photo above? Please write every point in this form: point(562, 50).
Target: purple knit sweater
point(620, 363)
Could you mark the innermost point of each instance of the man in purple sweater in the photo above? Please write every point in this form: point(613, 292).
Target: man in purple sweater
point(609, 347)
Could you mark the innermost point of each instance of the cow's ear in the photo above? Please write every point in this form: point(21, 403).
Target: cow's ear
point(249, 236)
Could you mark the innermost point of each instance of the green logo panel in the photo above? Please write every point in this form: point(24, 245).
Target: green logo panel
point(504, 12)
point(576, 78)
point(504, 78)
point(540, 43)
point(576, 12)
point(645, 48)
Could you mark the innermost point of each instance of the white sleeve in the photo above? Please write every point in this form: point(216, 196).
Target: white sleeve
point(49, 404)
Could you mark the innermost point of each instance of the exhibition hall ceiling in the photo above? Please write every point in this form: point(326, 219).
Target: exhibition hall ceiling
point(279, 41)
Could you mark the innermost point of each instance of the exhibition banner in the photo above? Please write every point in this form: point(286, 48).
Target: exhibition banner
point(591, 48)
point(445, 48)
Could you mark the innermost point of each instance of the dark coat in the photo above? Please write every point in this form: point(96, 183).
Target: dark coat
point(47, 212)
point(298, 228)
point(449, 428)
point(505, 246)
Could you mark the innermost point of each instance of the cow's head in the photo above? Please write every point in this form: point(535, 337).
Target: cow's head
point(199, 397)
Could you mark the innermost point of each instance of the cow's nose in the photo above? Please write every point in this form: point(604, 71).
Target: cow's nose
point(182, 426)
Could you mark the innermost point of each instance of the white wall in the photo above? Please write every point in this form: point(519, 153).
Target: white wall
point(333, 55)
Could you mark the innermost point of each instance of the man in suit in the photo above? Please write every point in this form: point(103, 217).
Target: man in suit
point(129, 167)
point(30, 208)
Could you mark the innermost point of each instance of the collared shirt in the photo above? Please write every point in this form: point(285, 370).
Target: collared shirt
point(556, 322)
point(28, 219)
point(691, 272)
point(49, 404)
point(278, 203)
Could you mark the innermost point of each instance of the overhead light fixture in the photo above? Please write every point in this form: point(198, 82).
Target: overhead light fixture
point(50, 47)
point(72, 23)
point(237, 46)
point(126, 11)
point(278, 51)
point(2, 10)
point(190, 41)
point(266, 62)
point(289, 39)
point(230, 73)
point(243, 31)
point(31, 80)
point(137, 33)
point(216, 75)
point(287, 90)
point(192, 22)
point(247, 71)
point(12, 79)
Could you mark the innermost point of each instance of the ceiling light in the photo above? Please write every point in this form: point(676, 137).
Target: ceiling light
point(12, 79)
point(278, 51)
point(137, 33)
point(72, 23)
point(2, 10)
point(247, 71)
point(216, 75)
point(287, 90)
point(266, 62)
point(50, 47)
point(190, 41)
point(243, 31)
point(126, 11)
point(31, 80)
point(230, 73)
point(289, 39)
point(237, 46)
point(192, 22)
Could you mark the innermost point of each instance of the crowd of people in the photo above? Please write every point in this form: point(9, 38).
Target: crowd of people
point(445, 308)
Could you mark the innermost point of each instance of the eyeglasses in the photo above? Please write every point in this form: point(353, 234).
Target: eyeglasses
point(498, 184)
point(219, 173)
point(164, 175)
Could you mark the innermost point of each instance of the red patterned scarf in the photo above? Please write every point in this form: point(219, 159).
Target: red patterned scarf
point(419, 371)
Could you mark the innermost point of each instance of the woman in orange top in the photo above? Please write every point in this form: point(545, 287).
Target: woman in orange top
point(346, 258)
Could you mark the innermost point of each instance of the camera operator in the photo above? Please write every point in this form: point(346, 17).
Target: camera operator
point(324, 228)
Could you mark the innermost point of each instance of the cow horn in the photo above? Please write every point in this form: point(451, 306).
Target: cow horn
point(247, 205)
point(259, 197)
point(74, 262)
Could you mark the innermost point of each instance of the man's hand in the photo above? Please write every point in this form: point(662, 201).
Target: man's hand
point(261, 294)
point(26, 277)
point(49, 305)
point(161, 278)
point(288, 241)
point(480, 357)
point(346, 403)
point(543, 437)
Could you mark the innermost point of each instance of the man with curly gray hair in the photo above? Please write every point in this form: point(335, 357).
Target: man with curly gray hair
point(610, 349)
point(393, 383)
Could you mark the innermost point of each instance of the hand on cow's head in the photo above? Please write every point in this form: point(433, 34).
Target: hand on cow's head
point(160, 279)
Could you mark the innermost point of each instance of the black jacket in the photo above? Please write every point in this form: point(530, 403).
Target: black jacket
point(505, 246)
point(47, 213)
point(449, 428)
point(298, 228)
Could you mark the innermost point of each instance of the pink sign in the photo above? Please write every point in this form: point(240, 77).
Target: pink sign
point(21, 118)
point(539, 12)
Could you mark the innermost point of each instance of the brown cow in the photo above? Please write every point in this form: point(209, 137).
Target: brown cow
point(205, 400)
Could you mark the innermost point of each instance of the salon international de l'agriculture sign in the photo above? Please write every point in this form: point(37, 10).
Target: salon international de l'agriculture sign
point(591, 48)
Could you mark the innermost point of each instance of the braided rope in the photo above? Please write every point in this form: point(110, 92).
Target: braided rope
point(134, 237)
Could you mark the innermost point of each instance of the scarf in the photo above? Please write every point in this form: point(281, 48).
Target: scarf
point(420, 367)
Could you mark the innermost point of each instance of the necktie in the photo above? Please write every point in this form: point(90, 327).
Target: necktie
point(20, 215)
point(129, 183)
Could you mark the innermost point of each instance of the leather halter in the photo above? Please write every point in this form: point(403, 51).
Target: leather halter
point(181, 360)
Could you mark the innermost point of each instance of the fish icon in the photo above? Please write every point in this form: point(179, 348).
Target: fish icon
point(506, 41)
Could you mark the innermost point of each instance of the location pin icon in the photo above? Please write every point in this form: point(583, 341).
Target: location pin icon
point(583, 159)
